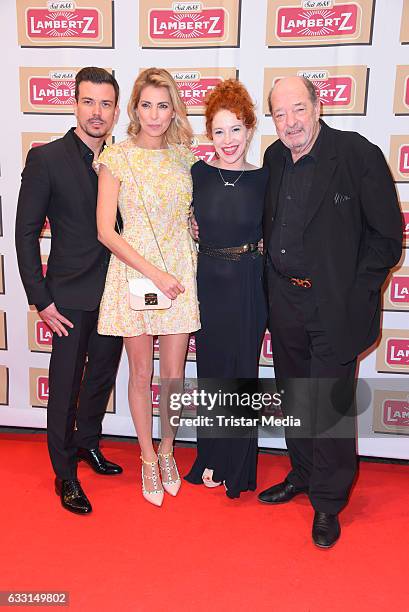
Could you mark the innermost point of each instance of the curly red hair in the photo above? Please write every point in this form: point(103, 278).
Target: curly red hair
point(230, 95)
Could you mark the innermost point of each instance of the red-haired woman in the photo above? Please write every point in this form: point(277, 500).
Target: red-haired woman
point(228, 196)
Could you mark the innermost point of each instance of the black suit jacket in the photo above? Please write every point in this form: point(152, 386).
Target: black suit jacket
point(352, 234)
point(56, 184)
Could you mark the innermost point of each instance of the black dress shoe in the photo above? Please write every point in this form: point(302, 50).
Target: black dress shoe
point(97, 461)
point(325, 529)
point(72, 496)
point(280, 493)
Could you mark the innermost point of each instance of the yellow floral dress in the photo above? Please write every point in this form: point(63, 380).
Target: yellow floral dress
point(163, 177)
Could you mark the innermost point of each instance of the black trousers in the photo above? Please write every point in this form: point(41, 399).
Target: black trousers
point(318, 390)
point(79, 389)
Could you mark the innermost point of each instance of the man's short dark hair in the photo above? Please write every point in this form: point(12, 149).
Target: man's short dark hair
point(92, 74)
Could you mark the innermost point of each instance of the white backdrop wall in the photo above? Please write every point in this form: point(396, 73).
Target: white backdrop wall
point(355, 52)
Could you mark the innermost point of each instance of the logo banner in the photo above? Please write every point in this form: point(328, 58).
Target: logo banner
point(392, 354)
point(79, 23)
point(48, 90)
point(391, 412)
point(209, 23)
point(401, 99)
point(396, 296)
point(307, 23)
point(342, 90)
point(195, 83)
point(203, 148)
point(399, 158)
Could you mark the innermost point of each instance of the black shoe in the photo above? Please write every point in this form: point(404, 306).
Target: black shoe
point(72, 496)
point(325, 529)
point(280, 493)
point(97, 461)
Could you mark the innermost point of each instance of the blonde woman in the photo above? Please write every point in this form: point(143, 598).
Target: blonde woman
point(148, 177)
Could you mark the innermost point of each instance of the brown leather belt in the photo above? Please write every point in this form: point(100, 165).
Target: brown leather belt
point(229, 253)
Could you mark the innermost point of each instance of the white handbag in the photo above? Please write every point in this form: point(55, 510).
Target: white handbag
point(142, 292)
point(144, 295)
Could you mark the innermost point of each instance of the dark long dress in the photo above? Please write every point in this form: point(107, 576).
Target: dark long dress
point(232, 311)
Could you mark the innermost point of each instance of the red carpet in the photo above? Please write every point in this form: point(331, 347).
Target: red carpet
point(200, 551)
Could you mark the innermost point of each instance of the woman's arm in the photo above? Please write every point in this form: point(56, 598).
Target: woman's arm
point(108, 191)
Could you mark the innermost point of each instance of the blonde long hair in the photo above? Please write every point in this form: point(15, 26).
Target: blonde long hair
point(179, 130)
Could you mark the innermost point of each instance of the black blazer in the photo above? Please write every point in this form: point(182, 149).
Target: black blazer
point(352, 235)
point(56, 183)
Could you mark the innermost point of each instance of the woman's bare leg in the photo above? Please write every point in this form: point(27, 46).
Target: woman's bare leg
point(172, 350)
point(140, 358)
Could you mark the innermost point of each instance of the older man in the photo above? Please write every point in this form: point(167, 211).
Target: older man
point(332, 231)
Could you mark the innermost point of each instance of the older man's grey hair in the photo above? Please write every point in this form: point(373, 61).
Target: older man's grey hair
point(312, 93)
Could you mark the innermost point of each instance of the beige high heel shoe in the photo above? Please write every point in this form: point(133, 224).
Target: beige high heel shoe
point(207, 478)
point(169, 473)
point(154, 494)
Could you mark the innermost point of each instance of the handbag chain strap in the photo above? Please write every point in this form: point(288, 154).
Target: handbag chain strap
point(146, 210)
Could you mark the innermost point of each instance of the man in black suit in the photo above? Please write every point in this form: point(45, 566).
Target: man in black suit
point(59, 182)
point(332, 231)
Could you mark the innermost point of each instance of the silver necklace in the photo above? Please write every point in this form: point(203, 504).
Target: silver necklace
point(226, 183)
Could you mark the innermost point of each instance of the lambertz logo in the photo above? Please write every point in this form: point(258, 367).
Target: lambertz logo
point(397, 295)
point(65, 24)
point(56, 89)
point(315, 22)
point(396, 413)
point(155, 395)
point(189, 24)
point(40, 336)
point(404, 159)
point(203, 148)
point(399, 158)
point(397, 352)
point(341, 20)
point(44, 335)
point(195, 84)
point(266, 356)
point(341, 89)
point(42, 388)
point(392, 354)
point(391, 411)
point(48, 90)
